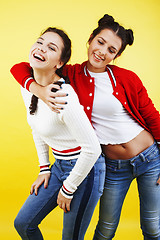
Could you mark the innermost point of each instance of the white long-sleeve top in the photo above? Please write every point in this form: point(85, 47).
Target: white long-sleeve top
point(66, 132)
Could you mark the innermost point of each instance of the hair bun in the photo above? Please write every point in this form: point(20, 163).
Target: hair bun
point(106, 19)
point(129, 36)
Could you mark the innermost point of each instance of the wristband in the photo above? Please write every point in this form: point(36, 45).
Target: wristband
point(66, 193)
point(44, 169)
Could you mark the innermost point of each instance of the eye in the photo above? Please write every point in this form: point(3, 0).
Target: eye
point(39, 42)
point(100, 42)
point(112, 51)
point(52, 48)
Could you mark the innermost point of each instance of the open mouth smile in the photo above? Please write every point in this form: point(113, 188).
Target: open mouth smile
point(98, 58)
point(39, 57)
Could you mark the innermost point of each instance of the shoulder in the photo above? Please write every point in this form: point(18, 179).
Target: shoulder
point(122, 71)
point(125, 76)
point(73, 69)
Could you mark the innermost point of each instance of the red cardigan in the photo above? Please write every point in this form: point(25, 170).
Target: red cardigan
point(127, 88)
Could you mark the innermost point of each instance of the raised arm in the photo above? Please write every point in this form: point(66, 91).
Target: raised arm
point(22, 72)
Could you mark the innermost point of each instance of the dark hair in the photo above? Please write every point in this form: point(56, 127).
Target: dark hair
point(65, 56)
point(108, 22)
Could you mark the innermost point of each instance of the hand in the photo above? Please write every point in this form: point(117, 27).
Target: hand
point(63, 202)
point(44, 178)
point(47, 96)
point(158, 181)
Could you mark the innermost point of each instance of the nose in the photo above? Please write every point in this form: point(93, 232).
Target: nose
point(102, 51)
point(42, 49)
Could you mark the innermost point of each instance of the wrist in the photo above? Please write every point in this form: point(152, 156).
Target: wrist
point(44, 169)
point(35, 88)
point(66, 193)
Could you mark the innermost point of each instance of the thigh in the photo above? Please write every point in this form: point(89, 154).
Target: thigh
point(84, 202)
point(149, 192)
point(37, 207)
point(117, 183)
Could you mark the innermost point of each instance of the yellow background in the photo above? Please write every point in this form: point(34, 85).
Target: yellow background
point(21, 23)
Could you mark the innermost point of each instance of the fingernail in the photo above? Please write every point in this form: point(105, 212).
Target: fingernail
point(66, 102)
point(66, 94)
point(61, 108)
point(60, 87)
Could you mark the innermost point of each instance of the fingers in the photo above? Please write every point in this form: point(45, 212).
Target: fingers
point(158, 181)
point(32, 189)
point(64, 206)
point(64, 203)
point(68, 207)
point(40, 180)
point(46, 181)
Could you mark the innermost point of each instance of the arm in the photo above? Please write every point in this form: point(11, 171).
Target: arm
point(149, 112)
point(22, 72)
point(79, 126)
point(43, 155)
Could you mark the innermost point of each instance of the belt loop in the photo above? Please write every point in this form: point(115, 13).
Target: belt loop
point(142, 157)
point(119, 164)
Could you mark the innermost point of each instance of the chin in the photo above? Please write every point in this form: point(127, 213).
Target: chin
point(36, 65)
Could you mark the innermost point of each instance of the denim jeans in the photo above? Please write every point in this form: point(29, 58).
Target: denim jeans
point(119, 174)
point(75, 222)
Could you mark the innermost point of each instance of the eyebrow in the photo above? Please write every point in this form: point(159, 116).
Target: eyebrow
point(106, 41)
point(50, 42)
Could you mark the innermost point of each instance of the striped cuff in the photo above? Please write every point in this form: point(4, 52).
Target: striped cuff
point(66, 193)
point(44, 169)
point(27, 83)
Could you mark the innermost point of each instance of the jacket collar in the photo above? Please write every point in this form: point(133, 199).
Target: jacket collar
point(108, 69)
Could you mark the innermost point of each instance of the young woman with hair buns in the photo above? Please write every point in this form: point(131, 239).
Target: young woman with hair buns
point(124, 119)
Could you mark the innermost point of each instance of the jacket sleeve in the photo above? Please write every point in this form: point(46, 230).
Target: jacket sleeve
point(148, 111)
point(22, 72)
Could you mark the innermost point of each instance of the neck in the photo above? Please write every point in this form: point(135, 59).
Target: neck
point(45, 77)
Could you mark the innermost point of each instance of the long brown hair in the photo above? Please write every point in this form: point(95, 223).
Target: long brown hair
point(65, 56)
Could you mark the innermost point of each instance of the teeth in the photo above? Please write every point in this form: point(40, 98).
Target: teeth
point(39, 57)
point(99, 58)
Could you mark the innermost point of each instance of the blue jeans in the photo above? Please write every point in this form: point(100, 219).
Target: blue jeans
point(75, 222)
point(119, 174)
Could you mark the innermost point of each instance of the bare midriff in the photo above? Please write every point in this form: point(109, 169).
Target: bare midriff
point(130, 149)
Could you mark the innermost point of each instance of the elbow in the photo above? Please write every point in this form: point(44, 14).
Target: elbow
point(96, 151)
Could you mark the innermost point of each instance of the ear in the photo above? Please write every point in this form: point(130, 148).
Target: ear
point(90, 39)
point(118, 55)
point(60, 64)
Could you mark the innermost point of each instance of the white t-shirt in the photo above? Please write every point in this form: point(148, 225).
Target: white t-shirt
point(112, 123)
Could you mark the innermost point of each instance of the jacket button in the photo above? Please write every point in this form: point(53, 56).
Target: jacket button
point(90, 80)
point(88, 108)
point(90, 94)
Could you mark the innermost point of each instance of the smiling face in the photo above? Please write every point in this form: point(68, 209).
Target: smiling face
point(102, 50)
point(46, 52)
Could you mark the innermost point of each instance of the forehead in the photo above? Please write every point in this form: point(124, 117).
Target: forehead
point(110, 37)
point(51, 37)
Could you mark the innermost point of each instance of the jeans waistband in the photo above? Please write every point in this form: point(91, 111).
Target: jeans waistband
point(142, 156)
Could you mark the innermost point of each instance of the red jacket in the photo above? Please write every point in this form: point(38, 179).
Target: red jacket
point(127, 88)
